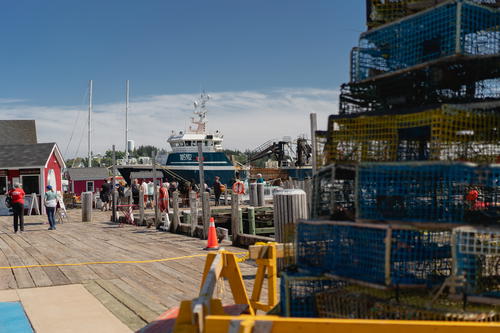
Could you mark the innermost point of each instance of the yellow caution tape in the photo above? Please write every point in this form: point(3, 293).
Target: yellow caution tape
point(112, 262)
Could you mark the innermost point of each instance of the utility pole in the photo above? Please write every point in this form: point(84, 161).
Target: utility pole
point(200, 165)
point(90, 127)
point(314, 144)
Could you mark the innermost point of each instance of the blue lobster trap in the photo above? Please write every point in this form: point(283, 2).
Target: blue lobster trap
point(452, 28)
point(373, 254)
point(429, 192)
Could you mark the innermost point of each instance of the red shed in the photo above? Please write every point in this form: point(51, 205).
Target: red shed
point(33, 165)
point(86, 179)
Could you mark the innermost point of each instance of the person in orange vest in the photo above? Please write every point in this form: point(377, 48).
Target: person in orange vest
point(17, 201)
point(163, 199)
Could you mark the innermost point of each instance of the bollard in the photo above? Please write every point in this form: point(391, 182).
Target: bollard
point(87, 206)
point(252, 194)
point(260, 195)
point(251, 220)
point(175, 207)
point(289, 207)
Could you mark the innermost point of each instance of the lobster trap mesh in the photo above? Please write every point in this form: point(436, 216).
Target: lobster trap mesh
point(454, 27)
point(477, 259)
point(450, 132)
point(380, 12)
point(456, 79)
point(350, 303)
point(374, 254)
point(333, 193)
point(297, 293)
point(429, 192)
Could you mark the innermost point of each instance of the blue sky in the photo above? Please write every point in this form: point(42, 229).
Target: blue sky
point(52, 48)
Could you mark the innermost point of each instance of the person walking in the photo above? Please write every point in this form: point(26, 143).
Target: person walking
point(50, 206)
point(163, 198)
point(135, 191)
point(17, 201)
point(105, 194)
point(144, 189)
point(217, 190)
point(151, 193)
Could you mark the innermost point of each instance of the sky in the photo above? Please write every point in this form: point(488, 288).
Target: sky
point(267, 64)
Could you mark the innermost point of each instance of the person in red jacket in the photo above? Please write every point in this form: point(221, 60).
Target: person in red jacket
point(17, 195)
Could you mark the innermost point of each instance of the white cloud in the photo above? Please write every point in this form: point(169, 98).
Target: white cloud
point(11, 100)
point(246, 118)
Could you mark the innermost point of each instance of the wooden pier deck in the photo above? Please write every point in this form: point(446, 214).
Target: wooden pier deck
point(136, 293)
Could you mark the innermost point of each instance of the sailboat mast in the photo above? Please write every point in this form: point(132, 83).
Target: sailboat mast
point(126, 122)
point(90, 126)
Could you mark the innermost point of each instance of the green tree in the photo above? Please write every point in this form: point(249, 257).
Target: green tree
point(144, 151)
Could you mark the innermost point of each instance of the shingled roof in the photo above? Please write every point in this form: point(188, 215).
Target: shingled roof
point(88, 173)
point(17, 132)
point(26, 156)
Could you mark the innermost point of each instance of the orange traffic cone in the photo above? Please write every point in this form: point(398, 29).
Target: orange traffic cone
point(212, 243)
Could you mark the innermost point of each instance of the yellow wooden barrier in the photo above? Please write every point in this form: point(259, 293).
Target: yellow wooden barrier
point(274, 324)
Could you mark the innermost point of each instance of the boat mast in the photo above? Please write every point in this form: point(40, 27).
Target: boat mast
point(126, 121)
point(90, 126)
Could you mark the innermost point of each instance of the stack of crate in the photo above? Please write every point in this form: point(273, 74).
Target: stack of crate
point(406, 209)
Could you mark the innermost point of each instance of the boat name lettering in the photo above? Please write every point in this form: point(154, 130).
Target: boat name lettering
point(186, 157)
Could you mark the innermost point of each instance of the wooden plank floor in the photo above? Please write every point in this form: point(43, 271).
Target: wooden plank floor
point(135, 293)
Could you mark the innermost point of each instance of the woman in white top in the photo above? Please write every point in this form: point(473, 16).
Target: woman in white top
point(50, 206)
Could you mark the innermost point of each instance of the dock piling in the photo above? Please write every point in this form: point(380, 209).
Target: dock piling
point(87, 206)
point(251, 220)
point(175, 206)
point(235, 202)
point(206, 212)
point(193, 206)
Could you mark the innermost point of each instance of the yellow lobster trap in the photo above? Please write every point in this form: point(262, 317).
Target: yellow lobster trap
point(446, 133)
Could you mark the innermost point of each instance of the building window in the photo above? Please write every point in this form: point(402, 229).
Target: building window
point(90, 186)
point(31, 183)
point(3, 185)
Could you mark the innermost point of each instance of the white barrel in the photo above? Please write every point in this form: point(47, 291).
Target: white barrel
point(130, 145)
point(252, 193)
point(289, 207)
point(87, 206)
point(260, 195)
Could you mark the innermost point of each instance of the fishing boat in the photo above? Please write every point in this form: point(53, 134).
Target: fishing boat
point(182, 163)
point(184, 159)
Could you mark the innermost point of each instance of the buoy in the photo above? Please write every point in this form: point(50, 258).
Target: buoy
point(212, 243)
point(239, 187)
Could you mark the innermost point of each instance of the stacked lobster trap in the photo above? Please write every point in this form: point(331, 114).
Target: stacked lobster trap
point(406, 206)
